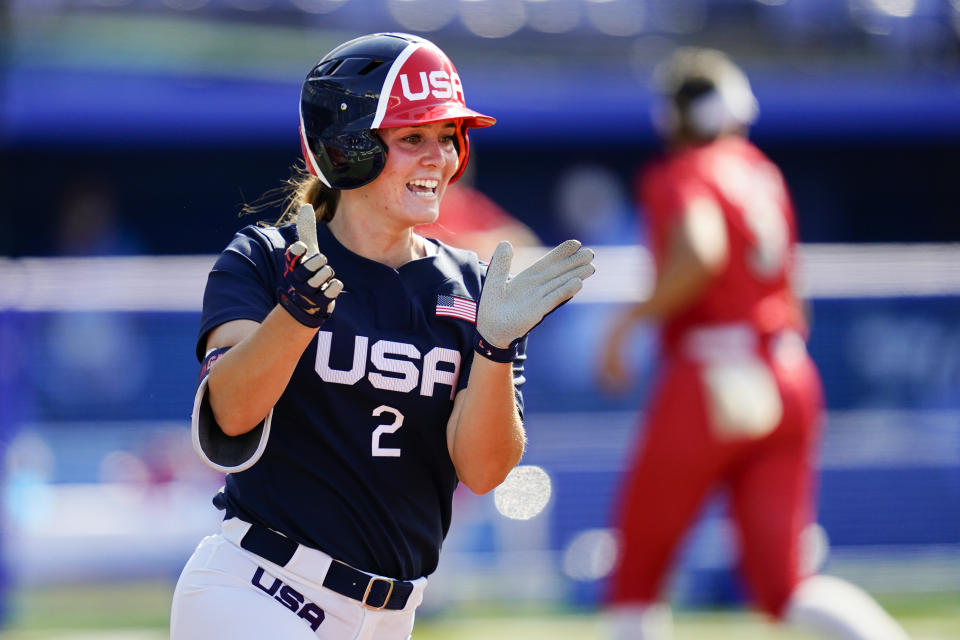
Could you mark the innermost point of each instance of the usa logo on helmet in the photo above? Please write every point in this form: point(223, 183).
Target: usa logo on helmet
point(444, 85)
point(422, 86)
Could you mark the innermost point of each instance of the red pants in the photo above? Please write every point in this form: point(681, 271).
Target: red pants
point(679, 462)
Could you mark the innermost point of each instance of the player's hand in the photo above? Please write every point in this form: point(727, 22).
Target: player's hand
point(510, 307)
point(309, 290)
point(612, 374)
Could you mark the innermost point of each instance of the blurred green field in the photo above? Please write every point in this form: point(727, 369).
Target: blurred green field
point(139, 611)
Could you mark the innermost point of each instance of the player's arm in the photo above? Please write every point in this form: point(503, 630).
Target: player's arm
point(485, 436)
point(697, 249)
point(251, 375)
point(248, 379)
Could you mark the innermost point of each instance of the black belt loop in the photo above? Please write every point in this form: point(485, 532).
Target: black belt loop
point(268, 544)
point(371, 591)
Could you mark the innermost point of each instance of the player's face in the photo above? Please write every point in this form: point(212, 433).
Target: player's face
point(420, 162)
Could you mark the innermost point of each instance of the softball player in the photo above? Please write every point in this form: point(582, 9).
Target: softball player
point(353, 371)
point(738, 403)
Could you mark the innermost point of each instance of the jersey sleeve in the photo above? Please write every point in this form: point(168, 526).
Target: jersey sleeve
point(665, 190)
point(242, 284)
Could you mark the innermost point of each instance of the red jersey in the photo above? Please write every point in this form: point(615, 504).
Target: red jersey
point(753, 287)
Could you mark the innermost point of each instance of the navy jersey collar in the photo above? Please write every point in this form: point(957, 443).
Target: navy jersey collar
point(428, 271)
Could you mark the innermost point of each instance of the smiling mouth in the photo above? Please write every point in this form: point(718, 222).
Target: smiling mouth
point(423, 188)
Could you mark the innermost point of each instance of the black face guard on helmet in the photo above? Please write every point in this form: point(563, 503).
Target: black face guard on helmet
point(379, 81)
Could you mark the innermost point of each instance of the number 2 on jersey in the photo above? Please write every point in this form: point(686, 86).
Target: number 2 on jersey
point(375, 449)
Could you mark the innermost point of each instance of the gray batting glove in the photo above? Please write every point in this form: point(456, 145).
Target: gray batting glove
point(510, 307)
point(309, 290)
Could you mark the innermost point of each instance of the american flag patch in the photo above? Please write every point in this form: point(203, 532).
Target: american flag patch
point(455, 307)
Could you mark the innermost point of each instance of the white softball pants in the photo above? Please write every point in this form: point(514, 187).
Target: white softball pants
point(226, 592)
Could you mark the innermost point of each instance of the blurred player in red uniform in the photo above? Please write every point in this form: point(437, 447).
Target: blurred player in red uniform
point(471, 220)
point(738, 402)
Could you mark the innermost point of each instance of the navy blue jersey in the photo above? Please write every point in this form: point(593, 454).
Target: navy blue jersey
point(356, 463)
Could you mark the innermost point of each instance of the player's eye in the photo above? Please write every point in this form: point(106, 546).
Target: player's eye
point(413, 138)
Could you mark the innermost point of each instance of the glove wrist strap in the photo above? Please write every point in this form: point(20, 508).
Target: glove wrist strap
point(304, 317)
point(490, 352)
